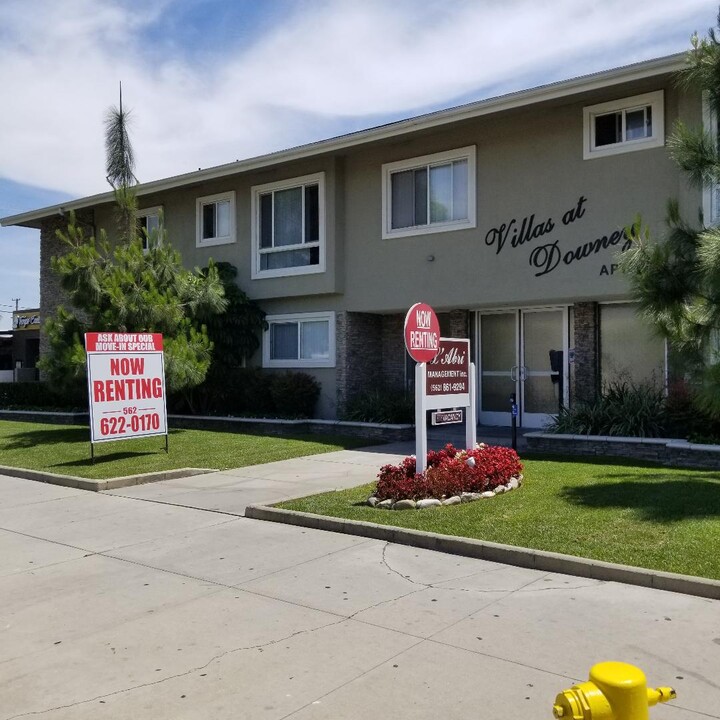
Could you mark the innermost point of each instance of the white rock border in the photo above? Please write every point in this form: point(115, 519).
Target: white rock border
point(513, 484)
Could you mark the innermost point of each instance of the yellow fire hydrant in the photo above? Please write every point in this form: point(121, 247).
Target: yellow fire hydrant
point(614, 691)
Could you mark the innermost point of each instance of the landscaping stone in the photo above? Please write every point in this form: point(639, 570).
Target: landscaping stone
point(500, 489)
point(487, 494)
point(514, 484)
point(372, 501)
point(469, 497)
point(406, 505)
point(385, 504)
point(454, 500)
point(427, 503)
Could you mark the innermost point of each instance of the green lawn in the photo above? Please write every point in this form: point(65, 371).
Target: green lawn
point(66, 450)
point(608, 509)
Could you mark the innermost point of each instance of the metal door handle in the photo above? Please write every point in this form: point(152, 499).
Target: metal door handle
point(523, 373)
point(513, 373)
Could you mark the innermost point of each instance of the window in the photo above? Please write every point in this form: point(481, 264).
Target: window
point(629, 350)
point(711, 191)
point(149, 223)
point(633, 123)
point(299, 340)
point(429, 194)
point(216, 219)
point(289, 227)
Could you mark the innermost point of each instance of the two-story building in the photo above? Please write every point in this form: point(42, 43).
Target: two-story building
point(505, 215)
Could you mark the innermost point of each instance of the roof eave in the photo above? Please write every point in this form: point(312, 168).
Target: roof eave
point(564, 88)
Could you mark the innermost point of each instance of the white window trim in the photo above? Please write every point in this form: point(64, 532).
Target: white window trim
point(711, 211)
point(147, 212)
point(207, 200)
point(466, 153)
point(256, 191)
point(299, 318)
point(657, 139)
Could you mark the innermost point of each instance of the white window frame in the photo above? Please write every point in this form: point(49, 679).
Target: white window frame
point(156, 210)
point(256, 191)
point(442, 158)
point(299, 318)
point(656, 100)
point(200, 203)
point(711, 192)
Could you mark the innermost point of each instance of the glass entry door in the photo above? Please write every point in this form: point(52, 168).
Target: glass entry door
point(522, 352)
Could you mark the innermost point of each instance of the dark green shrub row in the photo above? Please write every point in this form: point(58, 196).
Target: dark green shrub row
point(40, 396)
point(252, 392)
point(381, 406)
point(249, 392)
point(645, 410)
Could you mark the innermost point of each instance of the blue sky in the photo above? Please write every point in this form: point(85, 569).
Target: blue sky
point(211, 81)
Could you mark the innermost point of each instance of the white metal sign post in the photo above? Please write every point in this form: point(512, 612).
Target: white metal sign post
point(446, 382)
point(126, 386)
point(444, 376)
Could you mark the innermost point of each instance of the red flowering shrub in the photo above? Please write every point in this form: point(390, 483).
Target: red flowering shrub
point(449, 472)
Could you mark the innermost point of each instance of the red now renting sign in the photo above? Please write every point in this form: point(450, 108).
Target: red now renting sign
point(422, 333)
point(126, 385)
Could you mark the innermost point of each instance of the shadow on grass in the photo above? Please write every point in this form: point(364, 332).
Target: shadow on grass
point(613, 461)
point(112, 457)
point(670, 500)
point(57, 436)
point(36, 438)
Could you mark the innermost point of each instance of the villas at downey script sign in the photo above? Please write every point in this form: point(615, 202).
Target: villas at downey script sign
point(126, 385)
point(422, 333)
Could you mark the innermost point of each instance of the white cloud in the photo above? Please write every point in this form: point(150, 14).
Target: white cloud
point(327, 61)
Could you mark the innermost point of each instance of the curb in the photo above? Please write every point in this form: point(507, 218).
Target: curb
point(80, 483)
point(495, 552)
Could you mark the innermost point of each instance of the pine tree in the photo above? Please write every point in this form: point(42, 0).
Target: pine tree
point(676, 280)
point(125, 288)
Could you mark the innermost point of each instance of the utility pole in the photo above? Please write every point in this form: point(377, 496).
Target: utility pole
point(16, 301)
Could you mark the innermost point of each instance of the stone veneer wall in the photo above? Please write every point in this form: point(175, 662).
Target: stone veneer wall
point(393, 352)
point(455, 324)
point(676, 453)
point(370, 350)
point(51, 294)
point(587, 373)
point(358, 354)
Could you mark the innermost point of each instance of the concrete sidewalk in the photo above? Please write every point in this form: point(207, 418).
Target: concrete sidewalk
point(116, 607)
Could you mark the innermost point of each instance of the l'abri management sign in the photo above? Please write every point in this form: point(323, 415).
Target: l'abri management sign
point(126, 385)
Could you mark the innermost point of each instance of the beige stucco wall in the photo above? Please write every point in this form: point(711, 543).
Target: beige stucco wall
point(529, 163)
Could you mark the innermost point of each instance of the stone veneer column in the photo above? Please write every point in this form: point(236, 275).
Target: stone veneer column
point(51, 294)
point(358, 355)
point(393, 352)
point(456, 323)
point(586, 332)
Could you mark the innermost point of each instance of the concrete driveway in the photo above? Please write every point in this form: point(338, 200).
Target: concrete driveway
point(121, 605)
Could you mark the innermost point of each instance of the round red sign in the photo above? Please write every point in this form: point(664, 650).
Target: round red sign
point(422, 333)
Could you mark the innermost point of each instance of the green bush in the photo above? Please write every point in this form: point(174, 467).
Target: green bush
point(624, 409)
point(294, 394)
point(686, 418)
point(251, 392)
point(381, 406)
point(41, 396)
